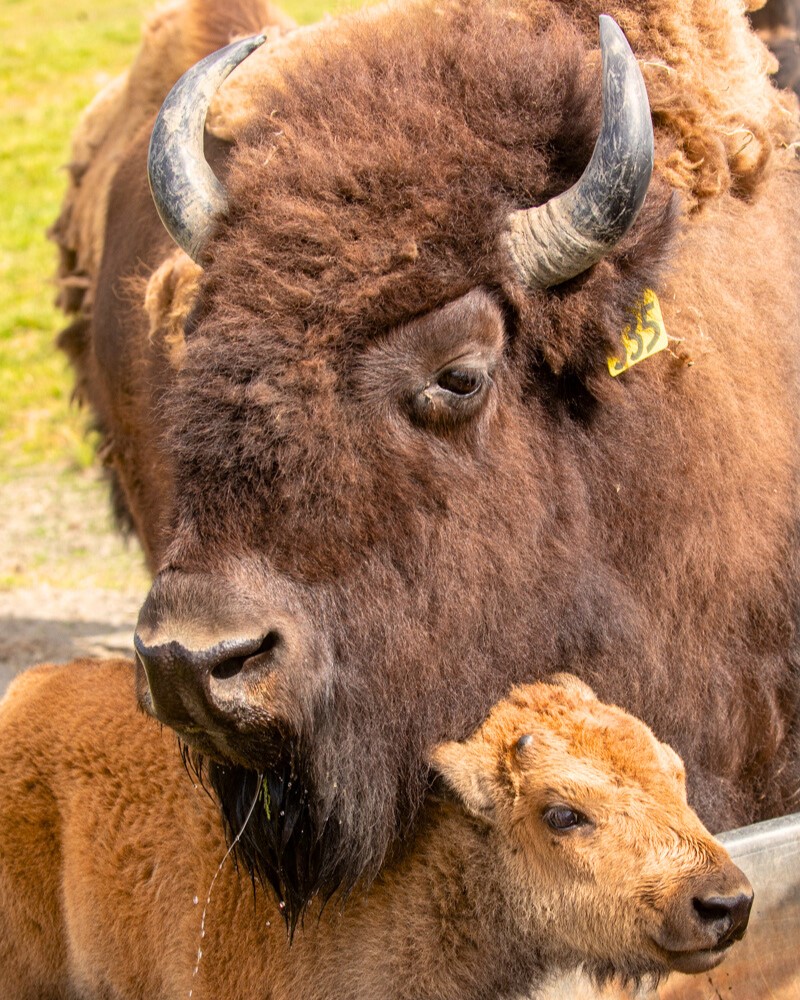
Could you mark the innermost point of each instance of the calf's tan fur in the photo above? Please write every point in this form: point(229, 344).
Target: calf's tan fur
point(108, 851)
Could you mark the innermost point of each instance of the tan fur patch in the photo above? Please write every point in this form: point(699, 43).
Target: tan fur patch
point(170, 294)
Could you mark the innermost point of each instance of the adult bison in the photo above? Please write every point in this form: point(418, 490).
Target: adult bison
point(367, 429)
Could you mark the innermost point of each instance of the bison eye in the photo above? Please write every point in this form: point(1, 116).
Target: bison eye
point(455, 394)
point(460, 381)
point(562, 818)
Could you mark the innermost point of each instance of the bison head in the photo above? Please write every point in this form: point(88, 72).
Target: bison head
point(377, 429)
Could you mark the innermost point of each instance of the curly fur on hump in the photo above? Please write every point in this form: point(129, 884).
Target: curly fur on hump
point(639, 531)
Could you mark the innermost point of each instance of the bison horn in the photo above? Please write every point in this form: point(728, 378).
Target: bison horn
point(188, 196)
point(555, 241)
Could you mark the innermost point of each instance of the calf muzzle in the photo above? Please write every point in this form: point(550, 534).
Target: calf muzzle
point(725, 916)
point(700, 924)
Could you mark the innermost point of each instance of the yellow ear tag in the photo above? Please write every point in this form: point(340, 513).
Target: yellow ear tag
point(644, 338)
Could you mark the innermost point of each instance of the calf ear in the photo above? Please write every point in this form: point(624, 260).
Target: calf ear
point(672, 761)
point(468, 774)
point(572, 683)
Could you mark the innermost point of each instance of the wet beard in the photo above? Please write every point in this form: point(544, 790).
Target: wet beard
point(283, 845)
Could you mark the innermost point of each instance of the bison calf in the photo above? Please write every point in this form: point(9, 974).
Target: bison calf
point(557, 834)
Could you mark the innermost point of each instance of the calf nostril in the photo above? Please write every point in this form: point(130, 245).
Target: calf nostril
point(740, 914)
point(234, 664)
point(729, 914)
point(711, 909)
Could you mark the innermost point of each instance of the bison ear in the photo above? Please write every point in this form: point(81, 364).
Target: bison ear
point(572, 683)
point(468, 774)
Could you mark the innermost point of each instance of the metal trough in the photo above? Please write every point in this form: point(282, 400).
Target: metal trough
point(766, 964)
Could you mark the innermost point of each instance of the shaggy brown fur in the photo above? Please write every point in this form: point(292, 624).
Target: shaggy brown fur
point(173, 39)
point(109, 855)
point(282, 464)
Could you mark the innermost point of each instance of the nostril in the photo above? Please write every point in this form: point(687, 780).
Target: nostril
point(711, 909)
point(728, 914)
point(271, 641)
point(227, 668)
point(741, 904)
point(234, 664)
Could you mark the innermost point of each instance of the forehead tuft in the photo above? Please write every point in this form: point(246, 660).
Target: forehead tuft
point(565, 722)
point(349, 210)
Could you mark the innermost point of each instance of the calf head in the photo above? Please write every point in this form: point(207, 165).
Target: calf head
point(604, 860)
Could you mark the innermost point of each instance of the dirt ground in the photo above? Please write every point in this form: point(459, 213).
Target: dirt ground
point(69, 584)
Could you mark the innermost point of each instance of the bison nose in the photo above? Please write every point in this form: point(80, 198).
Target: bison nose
point(229, 660)
point(724, 916)
point(203, 688)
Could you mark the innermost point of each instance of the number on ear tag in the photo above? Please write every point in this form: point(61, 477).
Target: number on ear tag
point(642, 338)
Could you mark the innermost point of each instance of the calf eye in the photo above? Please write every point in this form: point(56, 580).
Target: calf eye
point(563, 818)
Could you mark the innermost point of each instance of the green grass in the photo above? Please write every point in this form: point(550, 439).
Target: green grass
point(53, 59)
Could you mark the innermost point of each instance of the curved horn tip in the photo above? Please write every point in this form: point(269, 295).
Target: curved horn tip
point(560, 239)
point(610, 32)
point(249, 45)
point(187, 194)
